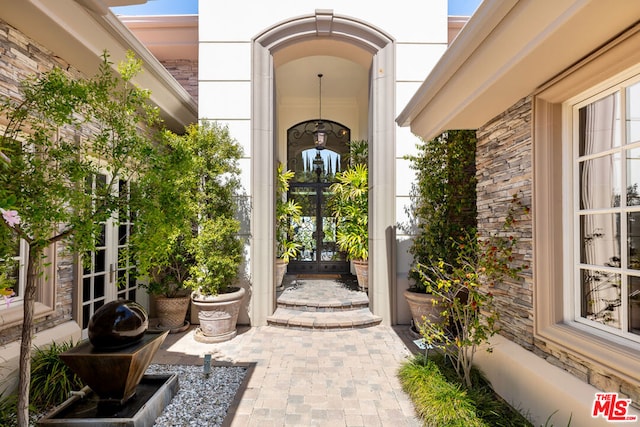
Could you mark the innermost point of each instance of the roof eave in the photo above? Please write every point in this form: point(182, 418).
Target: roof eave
point(80, 31)
point(506, 50)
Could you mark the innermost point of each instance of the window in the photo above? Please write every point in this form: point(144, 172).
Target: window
point(15, 269)
point(607, 212)
point(586, 162)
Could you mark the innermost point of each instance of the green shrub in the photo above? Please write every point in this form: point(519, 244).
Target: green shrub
point(443, 198)
point(51, 379)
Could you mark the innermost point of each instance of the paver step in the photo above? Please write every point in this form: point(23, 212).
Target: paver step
point(323, 306)
point(350, 319)
point(322, 296)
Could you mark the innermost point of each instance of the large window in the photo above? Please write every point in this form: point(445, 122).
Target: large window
point(607, 212)
point(586, 210)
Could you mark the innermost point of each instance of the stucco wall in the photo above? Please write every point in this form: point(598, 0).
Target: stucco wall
point(225, 84)
point(504, 167)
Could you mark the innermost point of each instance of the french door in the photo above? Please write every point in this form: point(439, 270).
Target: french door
point(108, 273)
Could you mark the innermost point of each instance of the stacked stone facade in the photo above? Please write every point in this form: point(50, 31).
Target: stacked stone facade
point(22, 58)
point(504, 167)
point(185, 71)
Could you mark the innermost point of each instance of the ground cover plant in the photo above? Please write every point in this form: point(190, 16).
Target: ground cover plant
point(441, 399)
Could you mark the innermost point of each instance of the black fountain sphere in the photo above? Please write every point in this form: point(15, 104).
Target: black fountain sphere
point(117, 324)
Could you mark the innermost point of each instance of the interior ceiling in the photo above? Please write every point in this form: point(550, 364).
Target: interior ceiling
point(345, 70)
point(341, 78)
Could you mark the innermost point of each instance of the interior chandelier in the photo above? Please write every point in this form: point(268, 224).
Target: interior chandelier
point(320, 133)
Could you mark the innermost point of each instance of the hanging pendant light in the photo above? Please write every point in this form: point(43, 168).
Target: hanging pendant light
point(320, 134)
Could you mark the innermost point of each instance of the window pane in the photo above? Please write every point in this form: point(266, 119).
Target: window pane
point(634, 305)
point(633, 177)
point(600, 239)
point(600, 125)
point(633, 113)
point(98, 287)
point(601, 298)
point(600, 182)
point(633, 240)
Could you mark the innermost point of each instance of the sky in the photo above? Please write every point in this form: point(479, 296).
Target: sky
point(190, 7)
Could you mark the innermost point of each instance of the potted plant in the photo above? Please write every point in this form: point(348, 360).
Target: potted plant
point(350, 204)
point(161, 244)
point(288, 214)
point(443, 209)
point(216, 246)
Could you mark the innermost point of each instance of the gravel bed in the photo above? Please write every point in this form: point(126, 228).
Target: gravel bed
point(200, 401)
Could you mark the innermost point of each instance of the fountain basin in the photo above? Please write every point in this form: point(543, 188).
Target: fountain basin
point(152, 395)
point(113, 375)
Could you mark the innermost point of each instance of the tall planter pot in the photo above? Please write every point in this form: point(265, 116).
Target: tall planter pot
point(171, 312)
point(362, 272)
point(281, 269)
point(423, 306)
point(218, 316)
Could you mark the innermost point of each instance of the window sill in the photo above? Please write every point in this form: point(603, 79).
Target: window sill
point(13, 316)
point(611, 355)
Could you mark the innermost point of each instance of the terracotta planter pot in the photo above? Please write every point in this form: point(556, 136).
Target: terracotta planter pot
point(423, 306)
point(172, 311)
point(362, 271)
point(218, 316)
point(281, 269)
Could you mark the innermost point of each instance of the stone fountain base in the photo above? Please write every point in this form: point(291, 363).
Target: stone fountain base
point(153, 394)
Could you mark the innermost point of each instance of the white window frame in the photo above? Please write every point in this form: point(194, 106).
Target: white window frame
point(572, 291)
point(21, 259)
point(553, 331)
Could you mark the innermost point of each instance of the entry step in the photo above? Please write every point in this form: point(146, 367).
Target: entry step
point(350, 319)
point(322, 296)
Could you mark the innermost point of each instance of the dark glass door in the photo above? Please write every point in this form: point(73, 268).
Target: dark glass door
point(316, 232)
point(314, 172)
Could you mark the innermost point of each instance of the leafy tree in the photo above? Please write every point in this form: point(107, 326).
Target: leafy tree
point(443, 197)
point(63, 132)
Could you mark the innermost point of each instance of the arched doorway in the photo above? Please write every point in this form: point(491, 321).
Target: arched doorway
point(314, 172)
point(323, 33)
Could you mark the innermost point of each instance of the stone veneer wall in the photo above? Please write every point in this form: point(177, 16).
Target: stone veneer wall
point(20, 58)
point(504, 167)
point(185, 71)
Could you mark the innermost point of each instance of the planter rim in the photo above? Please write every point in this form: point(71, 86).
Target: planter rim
point(236, 293)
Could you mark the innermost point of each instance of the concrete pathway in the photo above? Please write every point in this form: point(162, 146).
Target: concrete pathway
point(308, 377)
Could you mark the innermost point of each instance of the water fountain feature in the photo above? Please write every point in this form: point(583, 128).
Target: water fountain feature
point(112, 364)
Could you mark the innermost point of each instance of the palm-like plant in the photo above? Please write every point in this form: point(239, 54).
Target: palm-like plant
point(350, 206)
point(288, 214)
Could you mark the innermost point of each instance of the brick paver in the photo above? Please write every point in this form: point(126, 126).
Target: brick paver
point(309, 377)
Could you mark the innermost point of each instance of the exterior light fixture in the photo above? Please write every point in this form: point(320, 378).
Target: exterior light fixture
point(320, 134)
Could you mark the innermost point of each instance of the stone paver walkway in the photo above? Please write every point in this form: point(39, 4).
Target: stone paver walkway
point(310, 378)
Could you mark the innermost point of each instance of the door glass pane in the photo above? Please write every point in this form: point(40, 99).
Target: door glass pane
point(305, 232)
point(601, 297)
point(329, 250)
